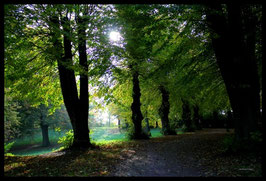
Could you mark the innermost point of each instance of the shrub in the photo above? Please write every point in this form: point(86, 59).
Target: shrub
point(7, 147)
point(67, 140)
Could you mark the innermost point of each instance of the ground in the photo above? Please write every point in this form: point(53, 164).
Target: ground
point(192, 154)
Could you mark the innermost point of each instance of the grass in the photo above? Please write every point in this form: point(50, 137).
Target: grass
point(35, 150)
point(156, 133)
point(36, 138)
point(30, 146)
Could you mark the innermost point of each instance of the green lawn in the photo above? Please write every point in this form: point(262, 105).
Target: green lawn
point(99, 135)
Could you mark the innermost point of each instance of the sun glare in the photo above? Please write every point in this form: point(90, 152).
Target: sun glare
point(114, 36)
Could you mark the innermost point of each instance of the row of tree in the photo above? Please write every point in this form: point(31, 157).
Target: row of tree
point(171, 59)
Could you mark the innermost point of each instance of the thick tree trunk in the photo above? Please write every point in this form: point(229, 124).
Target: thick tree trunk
point(135, 107)
point(45, 135)
point(237, 68)
point(156, 124)
point(83, 130)
point(229, 120)
point(196, 117)
point(44, 125)
point(215, 119)
point(164, 112)
point(186, 115)
point(263, 87)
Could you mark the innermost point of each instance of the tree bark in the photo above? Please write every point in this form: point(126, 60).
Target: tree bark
point(186, 115)
point(135, 107)
point(147, 128)
point(196, 117)
point(83, 130)
point(229, 120)
point(237, 68)
point(214, 119)
point(45, 135)
point(263, 87)
point(156, 124)
point(164, 112)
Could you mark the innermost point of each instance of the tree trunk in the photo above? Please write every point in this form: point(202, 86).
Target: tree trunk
point(237, 68)
point(263, 87)
point(186, 115)
point(164, 112)
point(156, 124)
point(45, 135)
point(135, 107)
point(118, 123)
point(196, 117)
point(44, 126)
point(82, 132)
point(228, 120)
point(147, 128)
point(215, 119)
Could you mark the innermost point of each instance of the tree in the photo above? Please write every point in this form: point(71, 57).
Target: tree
point(164, 111)
point(133, 20)
point(77, 107)
point(59, 42)
point(233, 44)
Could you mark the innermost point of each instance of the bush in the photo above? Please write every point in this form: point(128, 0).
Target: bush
point(67, 140)
point(7, 147)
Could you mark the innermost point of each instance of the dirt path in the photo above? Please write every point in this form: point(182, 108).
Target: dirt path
point(164, 157)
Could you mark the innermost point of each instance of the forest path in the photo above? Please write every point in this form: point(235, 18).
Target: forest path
point(166, 156)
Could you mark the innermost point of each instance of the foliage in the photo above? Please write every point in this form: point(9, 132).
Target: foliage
point(67, 139)
point(8, 146)
point(12, 120)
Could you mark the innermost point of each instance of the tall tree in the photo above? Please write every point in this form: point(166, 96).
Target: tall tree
point(164, 112)
point(133, 19)
point(77, 107)
point(234, 50)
